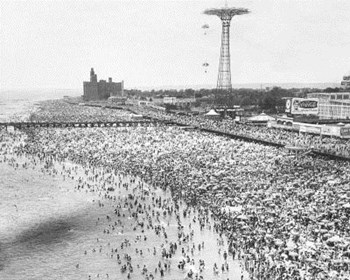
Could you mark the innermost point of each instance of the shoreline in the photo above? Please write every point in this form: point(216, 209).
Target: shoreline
point(51, 170)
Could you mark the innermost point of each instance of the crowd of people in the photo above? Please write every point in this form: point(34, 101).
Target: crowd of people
point(62, 111)
point(325, 144)
point(143, 232)
point(285, 217)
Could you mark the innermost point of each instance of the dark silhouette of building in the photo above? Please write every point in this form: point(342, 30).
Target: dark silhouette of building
point(94, 90)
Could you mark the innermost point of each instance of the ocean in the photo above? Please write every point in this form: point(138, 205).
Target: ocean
point(18, 104)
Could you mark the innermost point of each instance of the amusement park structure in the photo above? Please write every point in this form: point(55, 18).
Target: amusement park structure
point(225, 14)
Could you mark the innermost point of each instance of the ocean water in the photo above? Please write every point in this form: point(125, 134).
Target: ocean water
point(18, 104)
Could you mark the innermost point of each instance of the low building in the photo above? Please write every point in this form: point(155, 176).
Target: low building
point(331, 96)
point(212, 114)
point(262, 118)
point(120, 100)
point(334, 105)
point(232, 112)
point(185, 102)
point(101, 90)
point(180, 102)
point(169, 100)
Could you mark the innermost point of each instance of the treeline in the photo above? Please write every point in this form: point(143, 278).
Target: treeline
point(270, 100)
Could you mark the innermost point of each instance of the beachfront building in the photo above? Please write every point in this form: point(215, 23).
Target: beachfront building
point(172, 100)
point(180, 102)
point(100, 90)
point(334, 105)
point(346, 82)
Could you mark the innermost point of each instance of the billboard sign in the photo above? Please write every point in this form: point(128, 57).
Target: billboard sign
point(288, 105)
point(310, 129)
point(345, 132)
point(330, 130)
point(302, 106)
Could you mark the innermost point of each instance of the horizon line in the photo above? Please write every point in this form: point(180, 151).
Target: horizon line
point(204, 86)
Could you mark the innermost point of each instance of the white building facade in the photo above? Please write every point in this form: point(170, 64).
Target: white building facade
point(335, 105)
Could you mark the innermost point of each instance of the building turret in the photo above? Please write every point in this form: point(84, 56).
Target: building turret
point(93, 76)
point(101, 90)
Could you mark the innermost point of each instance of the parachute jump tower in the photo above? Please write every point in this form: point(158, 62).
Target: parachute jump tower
point(225, 14)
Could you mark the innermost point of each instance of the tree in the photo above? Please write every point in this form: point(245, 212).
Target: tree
point(329, 89)
point(245, 101)
point(169, 107)
point(268, 103)
point(189, 92)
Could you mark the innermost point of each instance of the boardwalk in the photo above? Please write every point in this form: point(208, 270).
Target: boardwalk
point(145, 123)
point(261, 141)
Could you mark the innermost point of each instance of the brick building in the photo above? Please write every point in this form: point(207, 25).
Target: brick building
point(94, 90)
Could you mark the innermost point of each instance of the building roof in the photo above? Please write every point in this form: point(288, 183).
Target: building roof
point(212, 113)
point(261, 118)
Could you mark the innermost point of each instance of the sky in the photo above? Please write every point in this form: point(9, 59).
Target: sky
point(54, 43)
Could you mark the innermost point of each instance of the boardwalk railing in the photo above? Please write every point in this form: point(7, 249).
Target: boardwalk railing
point(145, 123)
point(264, 142)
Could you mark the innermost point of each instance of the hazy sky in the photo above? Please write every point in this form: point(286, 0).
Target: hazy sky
point(53, 44)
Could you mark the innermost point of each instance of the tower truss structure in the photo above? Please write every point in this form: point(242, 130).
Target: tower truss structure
point(225, 14)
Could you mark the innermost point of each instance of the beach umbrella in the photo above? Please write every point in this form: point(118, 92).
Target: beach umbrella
point(347, 206)
point(278, 242)
point(284, 256)
point(293, 254)
point(233, 209)
point(242, 217)
point(346, 254)
point(335, 239)
point(342, 245)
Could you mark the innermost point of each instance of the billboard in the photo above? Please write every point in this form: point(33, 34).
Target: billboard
point(330, 130)
point(302, 106)
point(310, 129)
point(345, 132)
